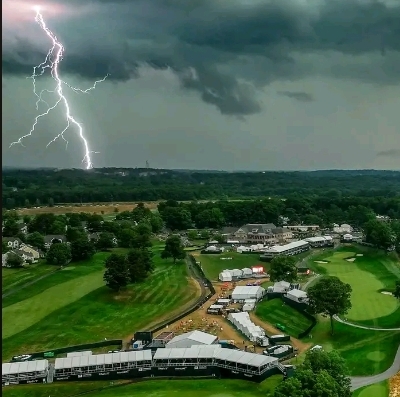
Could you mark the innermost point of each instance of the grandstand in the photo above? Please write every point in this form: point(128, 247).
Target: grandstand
point(24, 372)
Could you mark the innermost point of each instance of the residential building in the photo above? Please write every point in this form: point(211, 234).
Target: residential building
point(23, 228)
point(383, 218)
point(344, 228)
point(282, 234)
point(54, 238)
point(255, 234)
point(35, 252)
point(12, 242)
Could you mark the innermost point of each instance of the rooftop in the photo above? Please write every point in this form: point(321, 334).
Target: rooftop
point(197, 336)
point(24, 367)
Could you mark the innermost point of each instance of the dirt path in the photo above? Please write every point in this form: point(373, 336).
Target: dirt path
point(394, 386)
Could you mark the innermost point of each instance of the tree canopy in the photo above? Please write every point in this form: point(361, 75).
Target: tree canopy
point(330, 296)
point(59, 254)
point(173, 249)
point(283, 268)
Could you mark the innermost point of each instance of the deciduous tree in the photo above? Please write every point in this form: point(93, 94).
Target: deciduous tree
point(283, 268)
point(59, 254)
point(140, 264)
point(116, 275)
point(330, 296)
point(173, 249)
point(36, 240)
point(14, 260)
point(82, 249)
point(396, 292)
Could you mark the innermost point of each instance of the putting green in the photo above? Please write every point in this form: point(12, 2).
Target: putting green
point(23, 314)
point(376, 356)
point(377, 390)
point(367, 301)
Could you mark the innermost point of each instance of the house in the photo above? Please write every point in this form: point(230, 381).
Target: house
point(256, 233)
point(228, 232)
point(297, 295)
point(282, 234)
point(23, 228)
point(12, 242)
point(225, 276)
point(322, 241)
point(54, 238)
point(193, 338)
point(382, 218)
point(28, 249)
point(26, 256)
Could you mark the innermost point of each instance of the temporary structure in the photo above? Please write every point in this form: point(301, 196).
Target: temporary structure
point(242, 293)
point(246, 272)
point(225, 276)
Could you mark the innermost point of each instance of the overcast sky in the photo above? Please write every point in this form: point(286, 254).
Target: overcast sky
point(210, 84)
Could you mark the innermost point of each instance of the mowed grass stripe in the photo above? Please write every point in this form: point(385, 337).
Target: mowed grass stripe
point(71, 272)
point(104, 314)
point(275, 311)
point(26, 313)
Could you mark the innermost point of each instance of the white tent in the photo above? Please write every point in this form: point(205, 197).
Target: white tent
point(242, 248)
point(248, 307)
point(236, 273)
point(246, 272)
point(225, 276)
point(212, 248)
point(247, 292)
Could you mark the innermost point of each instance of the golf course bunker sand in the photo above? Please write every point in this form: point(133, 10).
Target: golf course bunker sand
point(323, 262)
point(386, 293)
point(68, 268)
point(359, 254)
point(350, 259)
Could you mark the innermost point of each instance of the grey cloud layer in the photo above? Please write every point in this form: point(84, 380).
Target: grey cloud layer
point(213, 46)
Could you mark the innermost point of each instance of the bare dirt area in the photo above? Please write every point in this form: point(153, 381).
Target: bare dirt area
point(394, 386)
point(95, 208)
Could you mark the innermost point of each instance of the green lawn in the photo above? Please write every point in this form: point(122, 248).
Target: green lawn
point(83, 310)
point(380, 389)
point(71, 272)
point(366, 352)
point(275, 311)
point(368, 275)
point(14, 278)
point(213, 265)
point(154, 388)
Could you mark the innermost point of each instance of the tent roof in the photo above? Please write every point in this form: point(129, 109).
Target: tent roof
point(24, 367)
point(197, 336)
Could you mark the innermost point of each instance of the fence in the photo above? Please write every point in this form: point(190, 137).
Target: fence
point(198, 304)
point(68, 349)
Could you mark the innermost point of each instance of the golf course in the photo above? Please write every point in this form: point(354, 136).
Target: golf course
point(73, 306)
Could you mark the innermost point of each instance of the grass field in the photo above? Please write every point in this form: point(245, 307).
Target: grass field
point(79, 309)
point(157, 388)
point(275, 311)
point(213, 264)
point(14, 278)
point(368, 275)
point(380, 389)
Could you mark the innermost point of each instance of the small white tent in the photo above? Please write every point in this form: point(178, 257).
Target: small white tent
point(225, 276)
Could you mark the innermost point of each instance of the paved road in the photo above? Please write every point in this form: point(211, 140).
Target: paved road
point(337, 318)
point(361, 381)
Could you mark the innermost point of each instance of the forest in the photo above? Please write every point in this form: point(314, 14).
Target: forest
point(25, 188)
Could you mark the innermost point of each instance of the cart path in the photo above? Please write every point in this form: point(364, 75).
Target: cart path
point(361, 381)
point(337, 318)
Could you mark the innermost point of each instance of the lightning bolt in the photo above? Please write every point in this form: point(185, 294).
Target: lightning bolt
point(52, 61)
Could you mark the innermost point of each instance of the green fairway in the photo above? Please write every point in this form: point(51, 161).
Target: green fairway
point(71, 272)
point(84, 310)
point(366, 352)
point(368, 275)
point(213, 265)
point(380, 389)
point(156, 388)
point(14, 278)
point(275, 311)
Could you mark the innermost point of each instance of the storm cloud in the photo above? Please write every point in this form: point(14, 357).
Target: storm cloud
point(225, 51)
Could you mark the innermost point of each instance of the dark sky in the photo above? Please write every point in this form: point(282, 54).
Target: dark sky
point(210, 84)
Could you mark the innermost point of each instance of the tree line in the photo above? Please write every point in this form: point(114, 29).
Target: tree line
point(25, 188)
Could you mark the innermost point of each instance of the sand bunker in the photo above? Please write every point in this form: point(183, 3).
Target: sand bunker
point(360, 255)
point(351, 259)
point(386, 293)
point(323, 262)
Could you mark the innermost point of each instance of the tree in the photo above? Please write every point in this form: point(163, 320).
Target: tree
point(59, 254)
point(177, 218)
point(156, 223)
point(42, 223)
point(396, 292)
point(173, 249)
point(14, 260)
point(11, 228)
point(126, 238)
point(193, 235)
point(330, 296)
point(379, 234)
point(75, 233)
point(219, 237)
point(319, 360)
point(321, 374)
point(212, 217)
point(141, 236)
point(105, 241)
point(116, 275)
point(140, 264)
point(82, 249)
point(36, 240)
point(283, 268)
point(4, 247)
